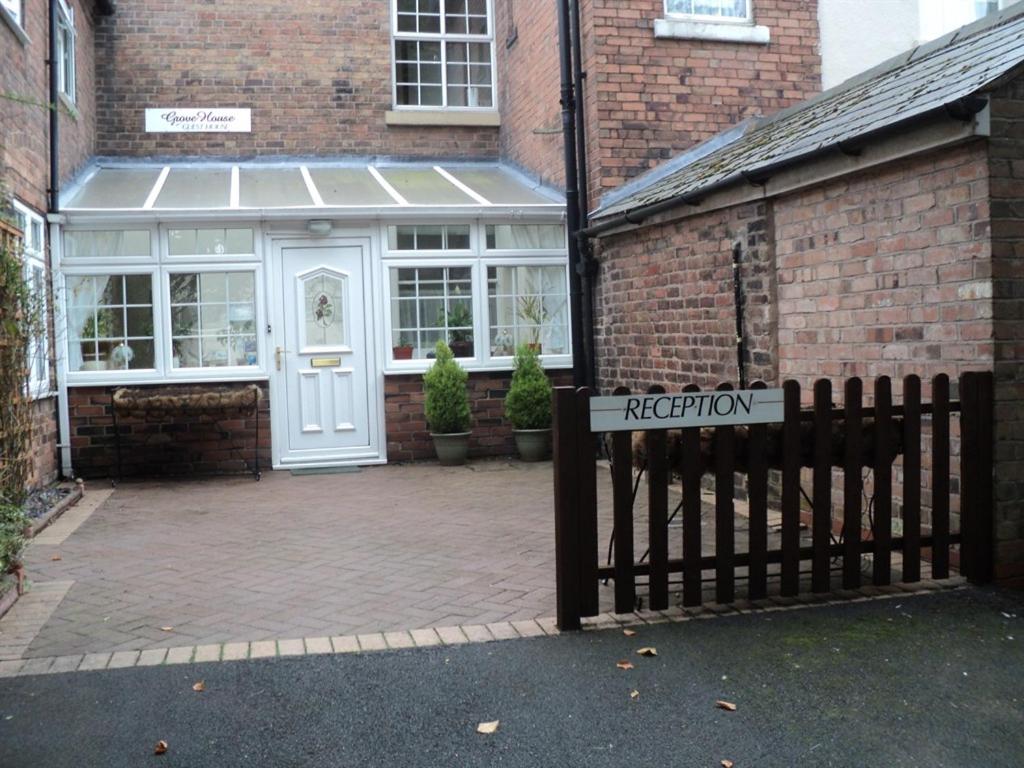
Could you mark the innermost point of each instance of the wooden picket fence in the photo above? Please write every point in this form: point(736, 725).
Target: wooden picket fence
point(821, 439)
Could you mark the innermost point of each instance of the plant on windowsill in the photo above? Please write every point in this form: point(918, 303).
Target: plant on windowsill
point(459, 321)
point(531, 310)
point(446, 404)
point(402, 350)
point(528, 406)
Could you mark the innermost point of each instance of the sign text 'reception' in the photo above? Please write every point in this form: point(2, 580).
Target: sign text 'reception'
point(689, 409)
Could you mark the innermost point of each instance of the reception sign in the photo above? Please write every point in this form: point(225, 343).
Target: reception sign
point(181, 120)
point(689, 409)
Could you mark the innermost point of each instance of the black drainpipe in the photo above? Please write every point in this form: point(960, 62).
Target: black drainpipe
point(586, 259)
point(572, 199)
point(54, 114)
point(737, 283)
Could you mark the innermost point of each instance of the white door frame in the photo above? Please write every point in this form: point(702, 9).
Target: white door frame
point(275, 242)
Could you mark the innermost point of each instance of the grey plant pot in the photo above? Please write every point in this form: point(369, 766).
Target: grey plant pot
point(533, 444)
point(451, 448)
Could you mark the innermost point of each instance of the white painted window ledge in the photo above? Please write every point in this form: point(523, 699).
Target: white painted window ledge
point(442, 117)
point(723, 33)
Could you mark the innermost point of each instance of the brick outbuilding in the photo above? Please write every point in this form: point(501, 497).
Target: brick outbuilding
point(877, 229)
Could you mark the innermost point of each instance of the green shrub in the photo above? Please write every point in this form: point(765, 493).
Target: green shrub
point(528, 402)
point(446, 401)
point(12, 535)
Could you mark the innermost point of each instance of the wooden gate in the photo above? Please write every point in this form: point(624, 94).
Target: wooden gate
point(817, 441)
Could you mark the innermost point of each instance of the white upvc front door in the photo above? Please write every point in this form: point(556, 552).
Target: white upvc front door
point(324, 388)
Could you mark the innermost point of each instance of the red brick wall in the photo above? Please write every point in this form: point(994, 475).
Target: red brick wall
point(24, 119)
point(407, 434)
point(1006, 185)
point(887, 272)
point(44, 443)
point(531, 123)
point(316, 74)
point(181, 446)
point(655, 97)
point(665, 302)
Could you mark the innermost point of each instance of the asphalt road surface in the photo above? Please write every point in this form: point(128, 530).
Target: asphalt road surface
point(918, 681)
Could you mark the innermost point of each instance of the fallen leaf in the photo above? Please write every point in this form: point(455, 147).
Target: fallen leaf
point(55, 558)
point(728, 706)
point(634, 694)
point(629, 632)
point(727, 764)
point(648, 652)
point(199, 687)
point(624, 664)
point(167, 629)
point(160, 748)
point(488, 728)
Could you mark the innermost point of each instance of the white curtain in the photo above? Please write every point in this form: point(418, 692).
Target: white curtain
point(81, 299)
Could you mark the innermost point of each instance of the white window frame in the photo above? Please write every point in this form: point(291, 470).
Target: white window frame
point(712, 19)
point(437, 261)
point(215, 372)
point(34, 258)
point(479, 259)
point(66, 77)
point(529, 261)
point(14, 12)
point(443, 37)
point(159, 265)
point(116, 376)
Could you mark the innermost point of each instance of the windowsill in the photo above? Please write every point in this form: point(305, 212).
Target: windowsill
point(15, 26)
point(69, 105)
point(718, 32)
point(442, 117)
point(131, 378)
point(419, 367)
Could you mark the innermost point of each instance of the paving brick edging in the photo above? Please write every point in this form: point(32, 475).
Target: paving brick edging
point(447, 636)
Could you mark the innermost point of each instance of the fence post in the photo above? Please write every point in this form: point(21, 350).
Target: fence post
point(976, 519)
point(790, 586)
point(657, 511)
point(586, 501)
point(567, 534)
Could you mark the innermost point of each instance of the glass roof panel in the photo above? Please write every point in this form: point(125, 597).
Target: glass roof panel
point(116, 188)
point(196, 188)
point(272, 188)
point(425, 186)
point(349, 186)
point(499, 187)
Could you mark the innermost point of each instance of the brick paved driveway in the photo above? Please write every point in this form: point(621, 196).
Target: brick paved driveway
point(394, 547)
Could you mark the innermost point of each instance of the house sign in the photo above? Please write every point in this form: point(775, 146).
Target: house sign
point(179, 120)
point(689, 409)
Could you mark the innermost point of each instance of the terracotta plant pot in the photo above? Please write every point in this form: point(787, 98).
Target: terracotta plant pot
point(451, 448)
point(402, 353)
point(462, 348)
point(533, 444)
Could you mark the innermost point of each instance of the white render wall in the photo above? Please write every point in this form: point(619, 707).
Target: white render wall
point(858, 34)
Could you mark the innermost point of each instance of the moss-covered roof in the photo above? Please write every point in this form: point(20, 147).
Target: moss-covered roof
point(959, 65)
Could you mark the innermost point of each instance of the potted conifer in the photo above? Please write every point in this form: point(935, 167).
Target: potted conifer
point(446, 404)
point(528, 406)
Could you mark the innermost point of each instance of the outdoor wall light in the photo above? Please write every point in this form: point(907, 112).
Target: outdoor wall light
point(319, 227)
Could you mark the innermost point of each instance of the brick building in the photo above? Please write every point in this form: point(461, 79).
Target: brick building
point(877, 230)
point(401, 160)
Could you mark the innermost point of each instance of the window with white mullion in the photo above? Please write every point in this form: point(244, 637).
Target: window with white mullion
point(443, 54)
point(34, 265)
point(66, 50)
point(431, 304)
point(15, 9)
point(709, 10)
point(213, 319)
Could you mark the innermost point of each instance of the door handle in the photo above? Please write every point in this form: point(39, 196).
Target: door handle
point(277, 357)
